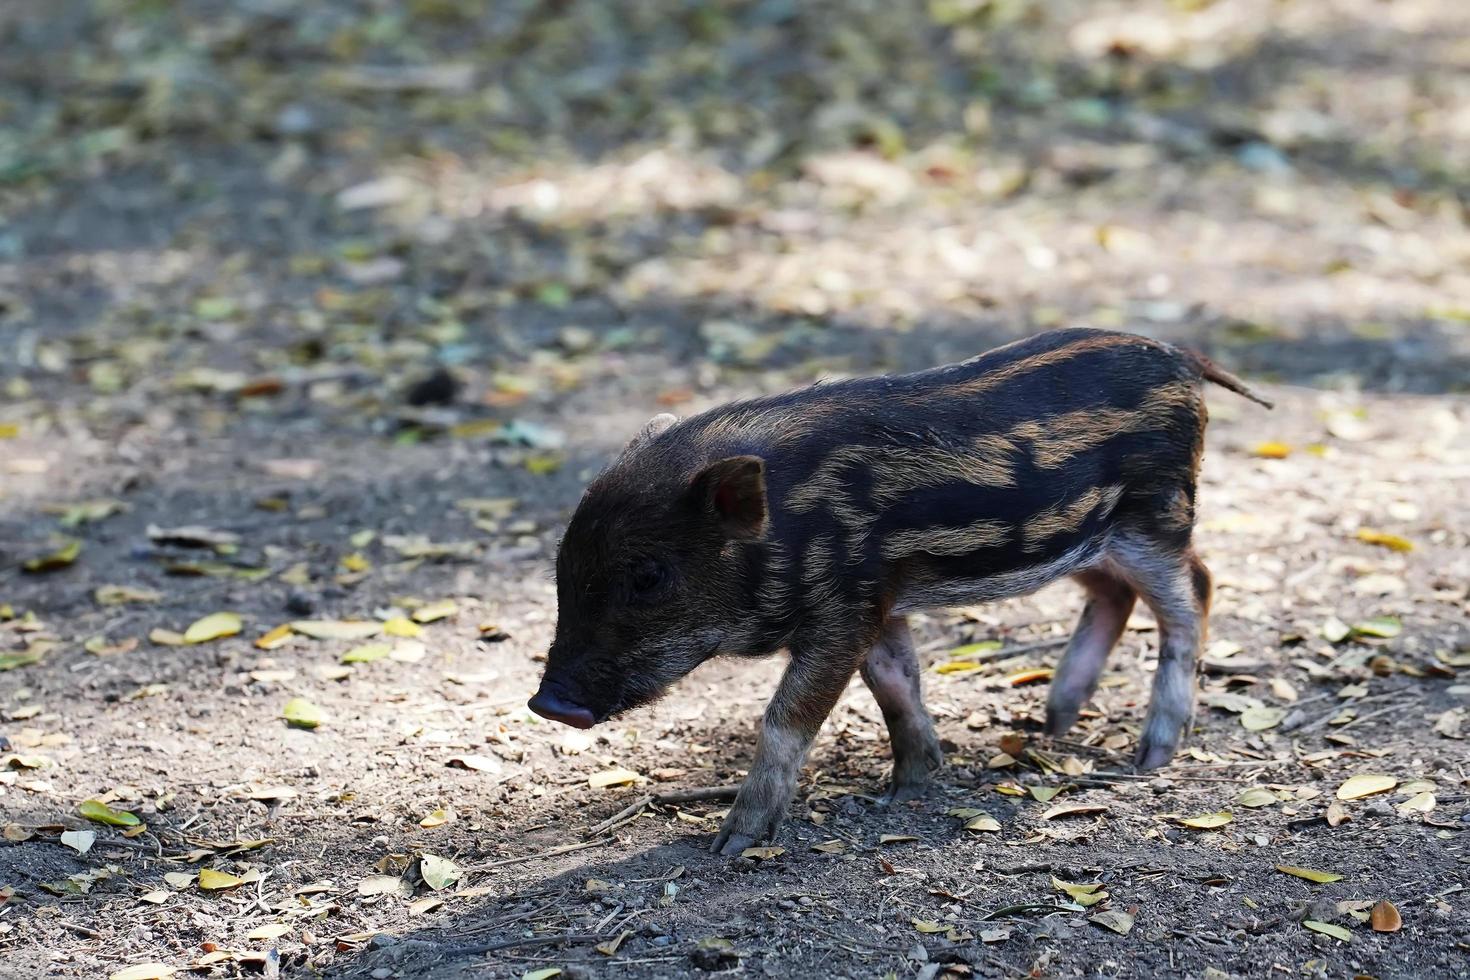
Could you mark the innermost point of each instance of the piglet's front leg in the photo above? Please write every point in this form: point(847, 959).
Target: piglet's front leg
point(814, 680)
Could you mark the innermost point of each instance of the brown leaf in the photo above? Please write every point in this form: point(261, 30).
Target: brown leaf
point(1385, 918)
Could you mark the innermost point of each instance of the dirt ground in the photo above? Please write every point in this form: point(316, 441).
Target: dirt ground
point(327, 311)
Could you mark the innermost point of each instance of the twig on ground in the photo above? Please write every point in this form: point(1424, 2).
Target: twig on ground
point(1321, 721)
point(700, 795)
point(479, 949)
point(624, 815)
point(550, 852)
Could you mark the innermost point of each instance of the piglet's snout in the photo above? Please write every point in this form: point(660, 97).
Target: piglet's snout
point(553, 703)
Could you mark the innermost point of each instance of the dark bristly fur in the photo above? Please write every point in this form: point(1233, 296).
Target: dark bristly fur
point(814, 520)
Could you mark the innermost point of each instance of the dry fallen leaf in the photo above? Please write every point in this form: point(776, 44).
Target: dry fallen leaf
point(1115, 919)
point(211, 880)
point(437, 818)
point(144, 971)
point(275, 638)
point(1207, 821)
point(982, 823)
point(1073, 810)
point(1084, 894)
point(1418, 803)
point(435, 611)
point(378, 885)
point(1328, 929)
point(438, 872)
point(366, 653)
point(1257, 796)
point(80, 841)
point(926, 926)
point(1259, 719)
point(1386, 540)
point(1385, 917)
point(302, 713)
point(337, 629)
point(612, 777)
point(213, 627)
point(271, 930)
point(1320, 877)
point(609, 947)
point(762, 853)
point(1365, 784)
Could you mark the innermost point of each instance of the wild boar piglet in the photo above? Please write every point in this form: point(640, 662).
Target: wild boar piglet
point(814, 521)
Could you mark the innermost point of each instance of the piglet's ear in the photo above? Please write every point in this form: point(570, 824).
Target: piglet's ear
point(733, 491)
point(651, 429)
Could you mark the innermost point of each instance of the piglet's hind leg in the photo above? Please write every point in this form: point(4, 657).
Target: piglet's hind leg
point(891, 672)
point(1176, 586)
point(1109, 603)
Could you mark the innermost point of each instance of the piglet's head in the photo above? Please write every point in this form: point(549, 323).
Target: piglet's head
point(649, 580)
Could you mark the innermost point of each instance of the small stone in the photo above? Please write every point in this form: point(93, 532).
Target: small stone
point(382, 941)
point(300, 603)
point(294, 120)
point(382, 973)
point(1161, 785)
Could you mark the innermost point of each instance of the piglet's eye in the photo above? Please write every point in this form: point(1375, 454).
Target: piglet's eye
point(647, 577)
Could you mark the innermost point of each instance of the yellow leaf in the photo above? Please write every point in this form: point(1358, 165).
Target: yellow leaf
point(274, 638)
point(956, 667)
point(144, 971)
point(58, 559)
point(337, 629)
point(166, 638)
point(612, 777)
point(1328, 929)
point(437, 818)
point(1391, 541)
point(1084, 894)
point(762, 853)
point(9, 430)
point(435, 610)
point(356, 562)
point(1365, 784)
point(117, 595)
point(211, 880)
point(1257, 796)
point(1272, 450)
point(102, 813)
point(1418, 803)
point(545, 973)
point(302, 713)
point(271, 930)
point(367, 653)
point(983, 823)
point(924, 925)
point(1320, 877)
point(896, 838)
point(610, 947)
point(401, 626)
point(212, 627)
point(1208, 821)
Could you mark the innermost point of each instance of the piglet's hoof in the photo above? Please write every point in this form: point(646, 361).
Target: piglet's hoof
point(731, 845)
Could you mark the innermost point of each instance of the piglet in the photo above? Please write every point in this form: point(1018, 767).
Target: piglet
point(815, 521)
